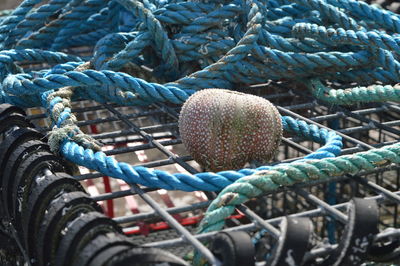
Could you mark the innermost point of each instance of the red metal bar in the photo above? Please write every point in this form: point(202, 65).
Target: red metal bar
point(145, 229)
point(110, 202)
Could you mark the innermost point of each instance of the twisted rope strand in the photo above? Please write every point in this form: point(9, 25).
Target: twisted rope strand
point(34, 20)
point(342, 36)
point(373, 93)
point(155, 28)
point(268, 181)
point(15, 17)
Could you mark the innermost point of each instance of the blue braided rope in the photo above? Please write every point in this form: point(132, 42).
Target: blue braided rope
point(183, 12)
point(155, 28)
point(131, 51)
point(17, 16)
point(110, 45)
point(41, 37)
point(35, 20)
point(85, 38)
point(361, 10)
point(212, 19)
point(187, 182)
point(9, 57)
point(332, 13)
point(75, 19)
point(94, 21)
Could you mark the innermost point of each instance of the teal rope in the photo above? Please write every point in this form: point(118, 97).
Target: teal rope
point(268, 181)
point(373, 93)
point(338, 36)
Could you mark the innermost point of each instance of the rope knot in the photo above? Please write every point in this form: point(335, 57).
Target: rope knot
point(71, 133)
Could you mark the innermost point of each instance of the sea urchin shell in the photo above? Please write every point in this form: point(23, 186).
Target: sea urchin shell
point(223, 130)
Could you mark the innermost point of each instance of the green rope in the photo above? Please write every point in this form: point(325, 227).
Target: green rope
point(373, 93)
point(268, 181)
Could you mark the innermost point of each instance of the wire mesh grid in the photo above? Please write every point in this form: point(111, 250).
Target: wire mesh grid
point(149, 136)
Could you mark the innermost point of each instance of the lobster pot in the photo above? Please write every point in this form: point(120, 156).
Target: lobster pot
point(317, 216)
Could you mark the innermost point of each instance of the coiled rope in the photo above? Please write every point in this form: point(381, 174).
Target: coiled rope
point(189, 46)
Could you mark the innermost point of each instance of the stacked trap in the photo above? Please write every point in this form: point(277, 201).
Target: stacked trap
point(102, 83)
point(361, 127)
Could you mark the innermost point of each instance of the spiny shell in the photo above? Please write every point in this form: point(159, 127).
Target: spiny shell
point(223, 130)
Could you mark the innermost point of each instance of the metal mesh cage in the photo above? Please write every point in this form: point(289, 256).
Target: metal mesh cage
point(148, 136)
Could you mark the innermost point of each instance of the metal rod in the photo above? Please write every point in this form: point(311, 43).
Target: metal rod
point(252, 226)
point(154, 214)
point(186, 235)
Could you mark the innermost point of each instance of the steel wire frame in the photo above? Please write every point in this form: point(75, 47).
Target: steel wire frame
point(365, 127)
